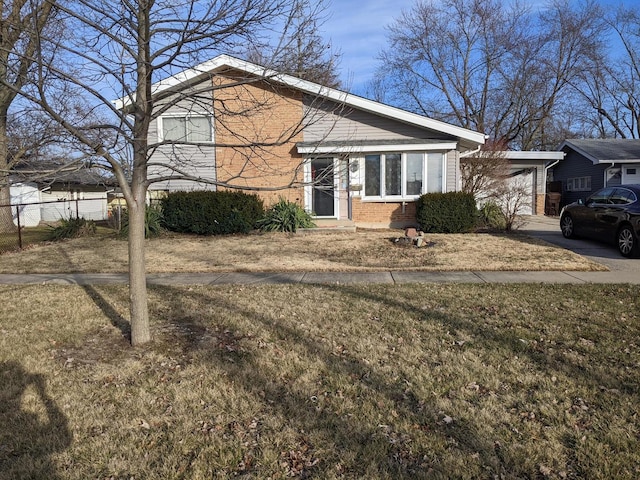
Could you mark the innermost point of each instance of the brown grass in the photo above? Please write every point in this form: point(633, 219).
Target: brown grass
point(322, 382)
point(363, 251)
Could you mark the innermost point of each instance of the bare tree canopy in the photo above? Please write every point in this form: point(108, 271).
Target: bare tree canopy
point(302, 51)
point(610, 88)
point(490, 66)
point(120, 49)
point(21, 24)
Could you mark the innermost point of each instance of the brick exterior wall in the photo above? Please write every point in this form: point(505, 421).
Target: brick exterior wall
point(256, 128)
point(540, 203)
point(383, 214)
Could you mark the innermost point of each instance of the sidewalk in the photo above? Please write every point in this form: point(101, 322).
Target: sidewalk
point(389, 277)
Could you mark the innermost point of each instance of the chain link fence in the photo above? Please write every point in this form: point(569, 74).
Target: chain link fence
point(25, 223)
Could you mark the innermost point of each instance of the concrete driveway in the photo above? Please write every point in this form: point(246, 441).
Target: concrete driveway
point(548, 229)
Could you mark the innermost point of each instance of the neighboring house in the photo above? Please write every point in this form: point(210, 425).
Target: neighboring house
point(592, 164)
point(344, 157)
point(59, 194)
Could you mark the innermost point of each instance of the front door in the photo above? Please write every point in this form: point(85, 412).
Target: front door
point(323, 189)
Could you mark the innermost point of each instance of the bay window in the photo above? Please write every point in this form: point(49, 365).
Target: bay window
point(403, 175)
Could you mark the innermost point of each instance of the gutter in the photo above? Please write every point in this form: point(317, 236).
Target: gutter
point(546, 173)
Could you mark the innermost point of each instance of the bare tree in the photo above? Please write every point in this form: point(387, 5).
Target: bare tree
point(22, 22)
point(513, 199)
point(484, 174)
point(125, 49)
point(488, 65)
point(489, 177)
point(302, 51)
point(611, 86)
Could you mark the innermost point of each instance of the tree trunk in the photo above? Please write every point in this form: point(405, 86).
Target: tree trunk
point(140, 332)
point(6, 217)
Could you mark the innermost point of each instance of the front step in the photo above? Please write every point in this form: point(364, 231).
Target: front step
point(329, 225)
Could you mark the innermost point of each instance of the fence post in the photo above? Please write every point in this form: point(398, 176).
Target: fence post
point(77, 209)
point(19, 227)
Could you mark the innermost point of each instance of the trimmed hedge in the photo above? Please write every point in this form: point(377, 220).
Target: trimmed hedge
point(452, 212)
point(211, 213)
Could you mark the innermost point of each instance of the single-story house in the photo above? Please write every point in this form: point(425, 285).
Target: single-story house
point(592, 164)
point(341, 156)
point(58, 194)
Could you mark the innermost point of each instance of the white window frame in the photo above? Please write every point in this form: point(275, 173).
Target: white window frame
point(206, 115)
point(579, 184)
point(383, 197)
point(308, 188)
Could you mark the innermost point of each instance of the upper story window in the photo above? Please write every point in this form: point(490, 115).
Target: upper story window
point(402, 175)
point(191, 128)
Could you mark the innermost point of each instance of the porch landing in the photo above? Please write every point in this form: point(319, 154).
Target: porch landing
point(325, 225)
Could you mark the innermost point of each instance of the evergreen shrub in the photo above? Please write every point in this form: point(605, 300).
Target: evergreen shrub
point(211, 213)
point(451, 212)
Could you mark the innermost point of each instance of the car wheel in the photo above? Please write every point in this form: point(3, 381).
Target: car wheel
point(627, 242)
point(566, 225)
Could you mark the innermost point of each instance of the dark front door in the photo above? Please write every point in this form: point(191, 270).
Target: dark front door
point(323, 192)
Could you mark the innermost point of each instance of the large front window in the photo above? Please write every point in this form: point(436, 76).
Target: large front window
point(402, 175)
point(194, 128)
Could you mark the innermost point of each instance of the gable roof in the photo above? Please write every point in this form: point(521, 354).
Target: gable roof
point(59, 172)
point(199, 72)
point(607, 150)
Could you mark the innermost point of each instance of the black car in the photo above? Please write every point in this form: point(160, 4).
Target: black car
point(610, 215)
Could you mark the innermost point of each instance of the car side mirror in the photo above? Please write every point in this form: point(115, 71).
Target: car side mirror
point(580, 201)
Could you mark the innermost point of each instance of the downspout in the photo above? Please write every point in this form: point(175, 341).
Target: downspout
point(546, 174)
point(606, 173)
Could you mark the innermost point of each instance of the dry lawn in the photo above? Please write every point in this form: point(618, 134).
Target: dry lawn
point(363, 251)
point(322, 382)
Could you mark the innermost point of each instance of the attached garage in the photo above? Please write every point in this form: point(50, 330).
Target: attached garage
point(529, 170)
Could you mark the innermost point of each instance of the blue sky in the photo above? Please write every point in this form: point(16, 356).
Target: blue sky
point(357, 28)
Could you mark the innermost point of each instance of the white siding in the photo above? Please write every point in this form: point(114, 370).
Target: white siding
point(23, 195)
point(69, 204)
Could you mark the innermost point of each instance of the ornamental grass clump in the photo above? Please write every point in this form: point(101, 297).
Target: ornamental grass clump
point(153, 222)
point(72, 228)
point(285, 216)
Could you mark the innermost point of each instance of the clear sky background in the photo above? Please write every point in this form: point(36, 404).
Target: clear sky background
point(357, 28)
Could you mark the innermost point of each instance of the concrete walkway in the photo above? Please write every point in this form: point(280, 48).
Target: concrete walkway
point(389, 277)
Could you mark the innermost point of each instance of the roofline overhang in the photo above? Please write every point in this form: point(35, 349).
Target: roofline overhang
point(532, 155)
point(376, 147)
point(594, 160)
point(200, 71)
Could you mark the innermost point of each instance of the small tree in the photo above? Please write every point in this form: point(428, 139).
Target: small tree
point(123, 49)
point(487, 175)
point(513, 198)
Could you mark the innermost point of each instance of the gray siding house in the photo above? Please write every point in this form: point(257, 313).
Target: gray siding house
point(591, 164)
point(348, 158)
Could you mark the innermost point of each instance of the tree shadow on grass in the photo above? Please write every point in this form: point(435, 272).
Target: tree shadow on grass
point(111, 313)
point(360, 445)
point(32, 427)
